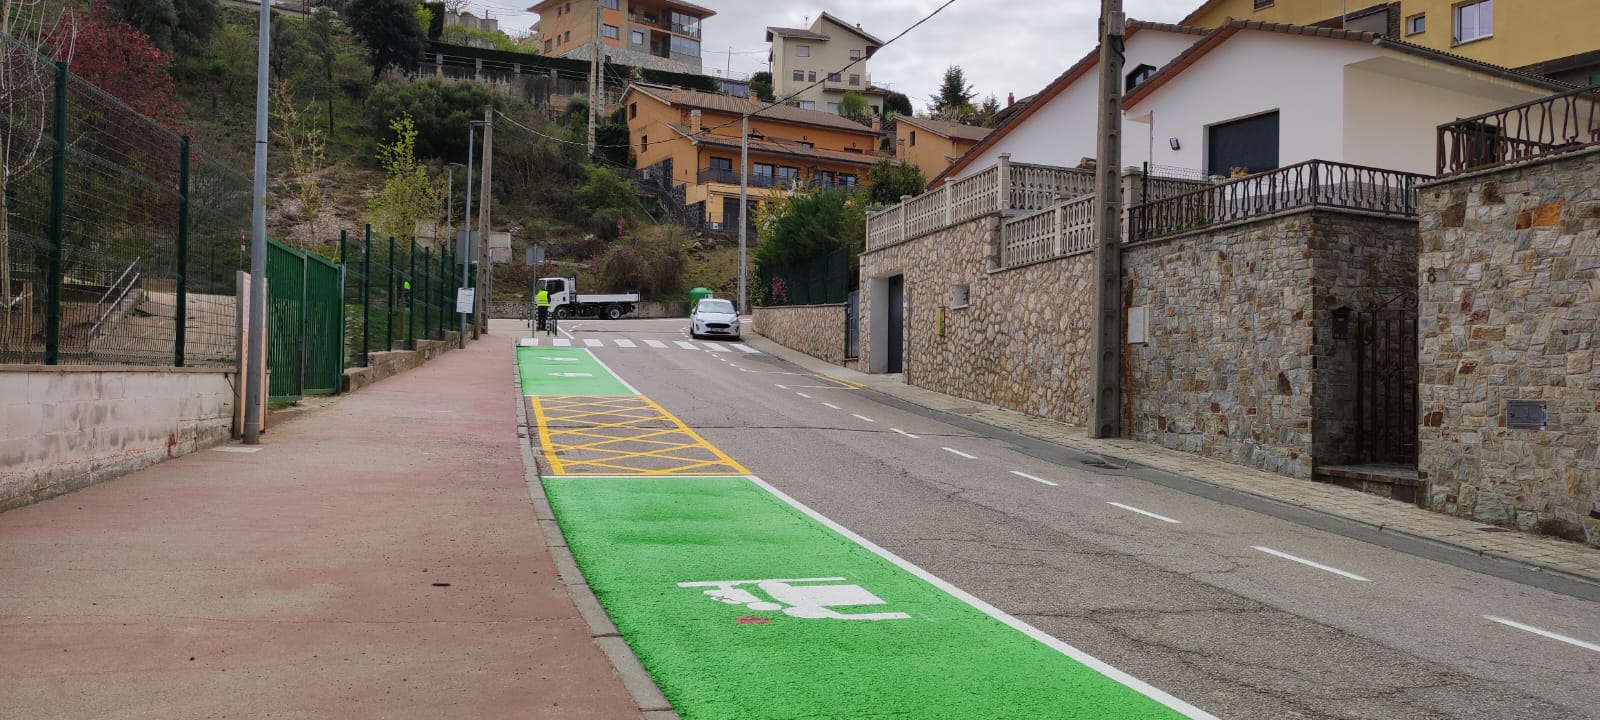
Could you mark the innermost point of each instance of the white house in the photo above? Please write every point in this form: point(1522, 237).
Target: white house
point(1057, 126)
point(1262, 96)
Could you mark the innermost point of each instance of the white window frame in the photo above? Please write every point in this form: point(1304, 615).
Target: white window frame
point(855, 54)
point(636, 37)
point(610, 32)
point(1482, 14)
point(1413, 22)
point(808, 104)
point(833, 107)
point(802, 51)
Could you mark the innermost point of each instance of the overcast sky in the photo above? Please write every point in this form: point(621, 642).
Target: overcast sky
point(1015, 46)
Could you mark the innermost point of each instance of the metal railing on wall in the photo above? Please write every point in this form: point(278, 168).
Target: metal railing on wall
point(1313, 183)
point(1547, 126)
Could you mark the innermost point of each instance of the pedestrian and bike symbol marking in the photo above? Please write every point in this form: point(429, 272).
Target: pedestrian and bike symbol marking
point(798, 598)
point(567, 371)
point(623, 436)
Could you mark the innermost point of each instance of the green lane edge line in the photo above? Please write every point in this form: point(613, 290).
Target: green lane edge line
point(677, 561)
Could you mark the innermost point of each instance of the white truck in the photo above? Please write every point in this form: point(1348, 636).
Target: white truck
point(565, 301)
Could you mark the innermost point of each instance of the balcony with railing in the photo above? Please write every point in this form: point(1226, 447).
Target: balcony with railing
point(843, 84)
point(1006, 187)
point(664, 19)
point(1548, 126)
point(1314, 183)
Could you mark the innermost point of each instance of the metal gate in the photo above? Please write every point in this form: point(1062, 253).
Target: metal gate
point(1386, 380)
point(852, 324)
point(304, 320)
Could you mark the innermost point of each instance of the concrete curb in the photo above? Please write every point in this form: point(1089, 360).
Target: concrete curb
point(653, 705)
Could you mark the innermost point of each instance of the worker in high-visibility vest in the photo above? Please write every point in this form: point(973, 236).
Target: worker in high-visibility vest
point(542, 299)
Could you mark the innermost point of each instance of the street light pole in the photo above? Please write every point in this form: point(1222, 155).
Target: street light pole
point(466, 240)
point(744, 205)
point(255, 355)
point(450, 199)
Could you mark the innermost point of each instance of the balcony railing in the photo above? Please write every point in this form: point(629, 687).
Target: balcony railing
point(1557, 124)
point(660, 23)
point(1313, 183)
point(1004, 187)
point(813, 180)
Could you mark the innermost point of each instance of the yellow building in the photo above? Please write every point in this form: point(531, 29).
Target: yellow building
point(934, 145)
point(654, 34)
point(692, 139)
point(1557, 38)
point(814, 67)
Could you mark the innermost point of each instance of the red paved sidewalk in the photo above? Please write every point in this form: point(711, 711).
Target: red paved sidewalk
point(301, 581)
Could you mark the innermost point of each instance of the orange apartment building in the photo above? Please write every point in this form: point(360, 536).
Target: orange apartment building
point(692, 138)
point(654, 34)
point(934, 145)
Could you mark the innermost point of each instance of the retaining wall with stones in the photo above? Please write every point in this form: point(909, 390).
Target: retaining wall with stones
point(1022, 340)
point(1510, 310)
point(1240, 363)
point(67, 427)
point(816, 330)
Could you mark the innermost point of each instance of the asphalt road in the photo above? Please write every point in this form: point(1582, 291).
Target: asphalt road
point(1246, 614)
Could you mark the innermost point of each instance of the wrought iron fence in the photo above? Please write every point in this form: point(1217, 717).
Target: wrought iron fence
point(1316, 182)
point(1556, 124)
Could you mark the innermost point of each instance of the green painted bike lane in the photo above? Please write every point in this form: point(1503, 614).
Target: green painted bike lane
point(567, 371)
point(743, 604)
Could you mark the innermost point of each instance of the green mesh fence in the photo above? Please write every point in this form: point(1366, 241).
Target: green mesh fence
point(397, 291)
point(825, 280)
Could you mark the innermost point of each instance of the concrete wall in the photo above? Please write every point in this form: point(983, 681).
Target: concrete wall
point(1510, 309)
point(816, 330)
point(1240, 363)
point(63, 428)
point(1022, 341)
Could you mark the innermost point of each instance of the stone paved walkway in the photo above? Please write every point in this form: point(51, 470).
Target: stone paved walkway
point(1535, 551)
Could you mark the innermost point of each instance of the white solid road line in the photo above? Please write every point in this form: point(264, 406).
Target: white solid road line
point(1304, 561)
point(686, 344)
point(836, 407)
point(624, 343)
point(563, 342)
point(801, 394)
point(909, 435)
point(1544, 633)
point(863, 417)
point(1145, 513)
point(591, 342)
point(1035, 479)
point(1048, 640)
point(962, 454)
point(657, 344)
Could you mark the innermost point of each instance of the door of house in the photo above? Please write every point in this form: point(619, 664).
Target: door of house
point(897, 324)
point(852, 324)
point(1386, 381)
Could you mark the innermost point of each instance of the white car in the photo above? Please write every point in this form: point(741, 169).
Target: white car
point(714, 317)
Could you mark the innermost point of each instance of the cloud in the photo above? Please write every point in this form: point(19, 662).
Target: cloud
point(1017, 46)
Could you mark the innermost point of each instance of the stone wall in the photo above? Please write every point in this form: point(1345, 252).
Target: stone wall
point(1021, 342)
point(816, 330)
point(1240, 363)
point(63, 427)
point(382, 365)
point(1510, 310)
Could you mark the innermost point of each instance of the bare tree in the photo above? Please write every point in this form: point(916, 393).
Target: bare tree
point(303, 141)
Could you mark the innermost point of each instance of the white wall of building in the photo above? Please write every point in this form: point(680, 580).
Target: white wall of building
point(1063, 132)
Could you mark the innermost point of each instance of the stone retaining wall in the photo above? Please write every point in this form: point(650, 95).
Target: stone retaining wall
point(67, 427)
point(1510, 310)
point(1240, 363)
point(1021, 342)
point(816, 330)
point(381, 365)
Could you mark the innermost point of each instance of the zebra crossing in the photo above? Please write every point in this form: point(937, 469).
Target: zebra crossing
point(630, 344)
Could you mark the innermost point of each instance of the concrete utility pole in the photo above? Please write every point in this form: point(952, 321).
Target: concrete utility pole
point(485, 272)
point(594, 76)
point(466, 225)
point(744, 207)
point(255, 394)
point(1105, 405)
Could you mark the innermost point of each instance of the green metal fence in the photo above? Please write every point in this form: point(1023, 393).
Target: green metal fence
point(119, 240)
point(396, 293)
point(826, 280)
point(304, 333)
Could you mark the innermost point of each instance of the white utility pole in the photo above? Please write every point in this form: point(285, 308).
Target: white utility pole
point(1106, 403)
point(594, 76)
point(255, 394)
point(466, 238)
point(485, 206)
point(744, 206)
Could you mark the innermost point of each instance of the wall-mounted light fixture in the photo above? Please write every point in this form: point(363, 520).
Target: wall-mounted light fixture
point(1174, 143)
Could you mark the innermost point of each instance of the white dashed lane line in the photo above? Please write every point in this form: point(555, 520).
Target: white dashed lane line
point(864, 418)
point(962, 454)
point(1544, 633)
point(831, 405)
point(801, 394)
point(1035, 479)
point(1317, 565)
point(1146, 513)
point(909, 435)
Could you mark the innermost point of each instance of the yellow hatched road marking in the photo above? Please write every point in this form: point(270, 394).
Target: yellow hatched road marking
point(579, 435)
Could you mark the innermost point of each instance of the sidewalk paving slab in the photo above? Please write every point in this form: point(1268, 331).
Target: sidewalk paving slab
point(1575, 560)
point(376, 558)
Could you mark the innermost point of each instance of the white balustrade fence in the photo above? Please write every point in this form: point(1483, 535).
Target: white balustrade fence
point(1001, 188)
